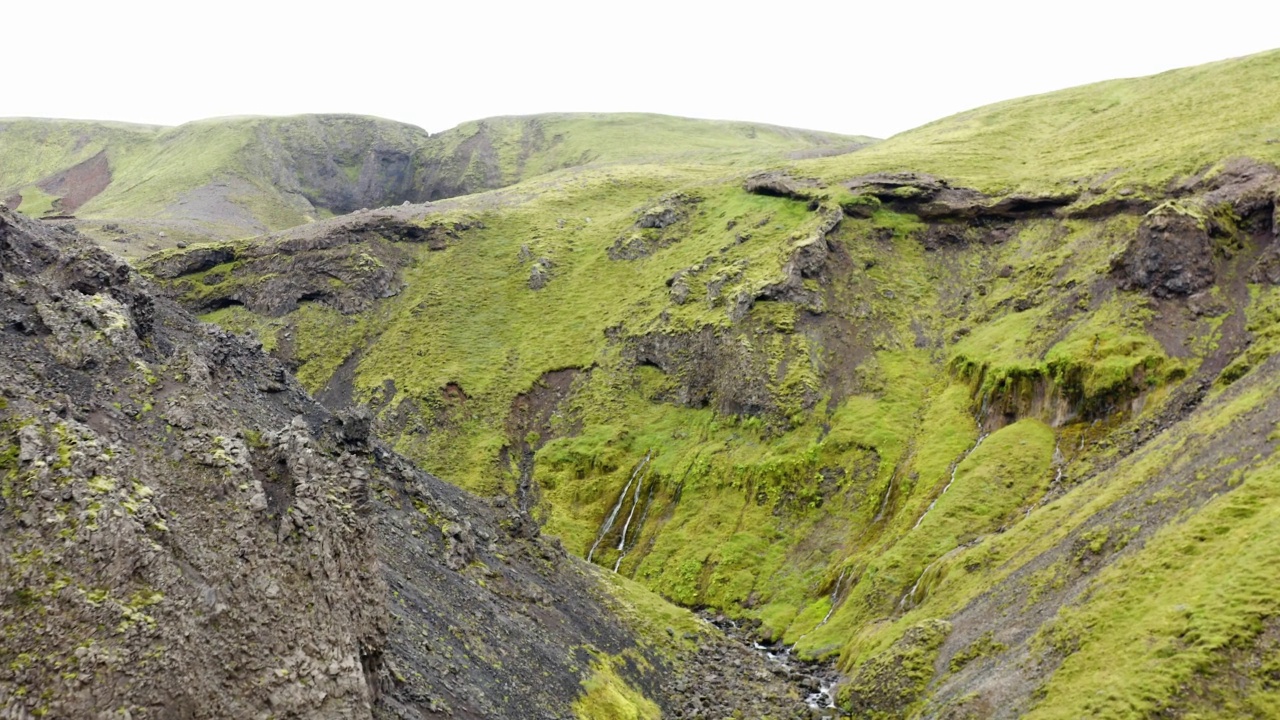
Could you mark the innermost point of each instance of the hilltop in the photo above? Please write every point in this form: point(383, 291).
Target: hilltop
point(982, 412)
point(236, 177)
point(1115, 139)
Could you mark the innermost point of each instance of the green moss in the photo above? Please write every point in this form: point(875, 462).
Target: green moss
point(1157, 618)
point(984, 646)
point(661, 626)
point(891, 683)
point(606, 696)
point(36, 202)
point(239, 319)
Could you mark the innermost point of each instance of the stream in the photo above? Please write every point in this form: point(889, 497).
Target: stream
point(815, 680)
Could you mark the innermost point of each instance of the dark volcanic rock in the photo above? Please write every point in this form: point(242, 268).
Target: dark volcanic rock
point(347, 268)
point(934, 199)
point(196, 260)
point(653, 230)
point(1171, 256)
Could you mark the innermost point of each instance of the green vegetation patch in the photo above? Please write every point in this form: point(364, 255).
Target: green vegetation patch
point(1158, 617)
point(607, 696)
point(1133, 134)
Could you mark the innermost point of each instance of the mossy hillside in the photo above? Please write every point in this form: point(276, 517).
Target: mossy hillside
point(468, 315)
point(240, 176)
point(1263, 322)
point(765, 516)
point(36, 202)
point(495, 152)
point(1038, 327)
point(179, 159)
point(607, 696)
point(1106, 513)
point(1172, 610)
point(993, 487)
point(33, 149)
point(1134, 134)
point(1138, 641)
point(786, 516)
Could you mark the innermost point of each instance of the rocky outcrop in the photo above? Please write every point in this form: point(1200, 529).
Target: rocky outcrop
point(808, 261)
point(781, 184)
point(347, 267)
point(149, 564)
point(339, 162)
point(656, 227)
point(1171, 256)
point(934, 199)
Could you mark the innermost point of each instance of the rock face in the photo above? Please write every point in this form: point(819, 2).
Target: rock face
point(339, 162)
point(1172, 256)
point(185, 533)
point(172, 543)
point(347, 269)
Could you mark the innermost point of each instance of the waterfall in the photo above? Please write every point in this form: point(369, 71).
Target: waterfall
point(613, 514)
point(648, 502)
point(835, 596)
point(622, 539)
point(910, 596)
point(945, 488)
point(884, 503)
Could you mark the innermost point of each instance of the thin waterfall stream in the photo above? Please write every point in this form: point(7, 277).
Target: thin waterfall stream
point(622, 539)
point(954, 467)
point(613, 514)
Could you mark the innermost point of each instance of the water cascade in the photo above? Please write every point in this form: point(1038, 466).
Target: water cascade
point(613, 514)
point(622, 539)
point(945, 488)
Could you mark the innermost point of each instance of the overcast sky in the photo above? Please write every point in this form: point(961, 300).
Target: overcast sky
point(856, 67)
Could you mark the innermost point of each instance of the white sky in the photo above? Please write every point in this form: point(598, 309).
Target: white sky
point(873, 68)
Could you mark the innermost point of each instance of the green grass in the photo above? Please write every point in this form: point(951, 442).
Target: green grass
point(36, 202)
point(1139, 133)
point(527, 146)
point(606, 696)
point(1160, 617)
point(761, 515)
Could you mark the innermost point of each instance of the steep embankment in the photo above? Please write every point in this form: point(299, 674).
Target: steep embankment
point(185, 533)
point(143, 188)
point(998, 438)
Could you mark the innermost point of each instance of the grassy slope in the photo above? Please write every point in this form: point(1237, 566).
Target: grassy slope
point(527, 146)
point(774, 516)
point(1134, 133)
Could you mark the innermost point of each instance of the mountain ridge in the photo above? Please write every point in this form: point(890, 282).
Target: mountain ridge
point(239, 176)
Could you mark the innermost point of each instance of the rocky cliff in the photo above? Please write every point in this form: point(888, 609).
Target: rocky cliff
point(185, 533)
